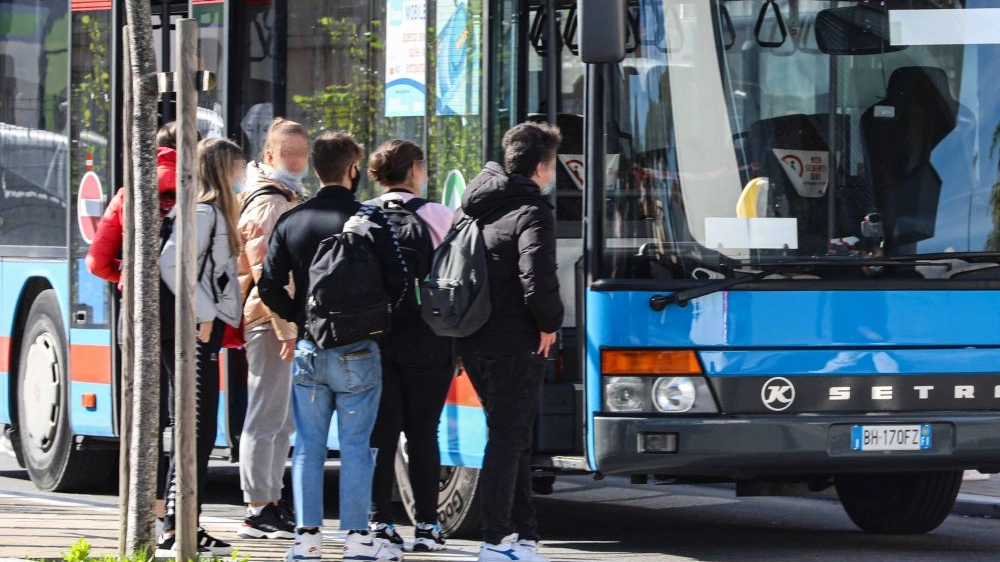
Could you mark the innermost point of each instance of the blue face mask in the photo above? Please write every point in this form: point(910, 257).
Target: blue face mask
point(284, 176)
point(551, 187)
point(424, 190)
point(238, 187)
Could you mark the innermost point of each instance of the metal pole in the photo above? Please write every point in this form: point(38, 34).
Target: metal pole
point(127, 309)
point(185, 400)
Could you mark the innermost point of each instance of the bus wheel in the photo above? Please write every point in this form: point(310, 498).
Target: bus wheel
point(44, 430)
point(458, 502)
point(904, 503)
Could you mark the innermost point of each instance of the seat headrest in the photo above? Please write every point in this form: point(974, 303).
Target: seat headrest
point(925, 79)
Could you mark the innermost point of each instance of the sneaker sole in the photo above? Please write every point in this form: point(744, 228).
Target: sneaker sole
point(427, 546)
point(252, 533)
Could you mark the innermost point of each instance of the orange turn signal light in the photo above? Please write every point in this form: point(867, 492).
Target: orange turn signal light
point(649, 362)
point(90, 401)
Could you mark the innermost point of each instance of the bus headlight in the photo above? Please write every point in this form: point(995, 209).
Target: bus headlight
point(674, 394)
point(666, 395)
point(624, 394)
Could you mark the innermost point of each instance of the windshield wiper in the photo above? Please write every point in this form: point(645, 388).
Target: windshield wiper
point(974, 257)
point(682, 297)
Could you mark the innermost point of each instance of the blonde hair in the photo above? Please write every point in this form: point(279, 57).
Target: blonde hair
point(216, 159)
point(280, 127)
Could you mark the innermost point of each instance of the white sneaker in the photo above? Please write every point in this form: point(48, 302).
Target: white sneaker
point(428, 538)
point(367, 547)
point(532, 547)
point(308, 546)
point(509, 549)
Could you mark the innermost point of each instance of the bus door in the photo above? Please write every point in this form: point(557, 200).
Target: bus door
point(535, 74)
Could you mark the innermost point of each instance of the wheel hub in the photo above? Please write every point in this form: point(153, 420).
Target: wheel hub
point(43, 391)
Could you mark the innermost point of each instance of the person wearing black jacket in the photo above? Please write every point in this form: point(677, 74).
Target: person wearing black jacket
point(346, 379)
point(506, 358)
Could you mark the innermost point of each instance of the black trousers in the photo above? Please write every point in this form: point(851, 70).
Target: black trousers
point(510, 388)
point(206, 412)
point(417, 370)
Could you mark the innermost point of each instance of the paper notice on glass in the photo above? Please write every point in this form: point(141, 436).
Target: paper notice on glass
point(752, 233)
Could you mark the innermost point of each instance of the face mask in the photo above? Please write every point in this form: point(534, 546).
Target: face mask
point(356, 180)
point(423, 189)
point(284, 176)
point(551, 187)
point(238, 187)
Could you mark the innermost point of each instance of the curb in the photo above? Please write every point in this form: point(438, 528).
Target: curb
point(977, 505)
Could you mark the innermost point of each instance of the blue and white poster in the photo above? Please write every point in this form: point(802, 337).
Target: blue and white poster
point(458, 58)
point(406, 58)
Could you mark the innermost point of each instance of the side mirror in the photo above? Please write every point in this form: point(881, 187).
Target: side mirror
point(602, 30)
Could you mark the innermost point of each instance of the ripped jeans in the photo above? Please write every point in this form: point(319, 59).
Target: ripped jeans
point(347, 380)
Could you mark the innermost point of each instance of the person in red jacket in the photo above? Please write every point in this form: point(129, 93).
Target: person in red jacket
point(104, 257)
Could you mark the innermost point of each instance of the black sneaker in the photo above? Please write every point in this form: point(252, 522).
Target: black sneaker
point(428, 538)
point(212, 545)
point(268, 524)
point(287, 511)
point(387, 531)
point(166, 546)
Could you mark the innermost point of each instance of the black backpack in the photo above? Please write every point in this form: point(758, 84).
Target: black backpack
point(416, 246)
point(346, 300)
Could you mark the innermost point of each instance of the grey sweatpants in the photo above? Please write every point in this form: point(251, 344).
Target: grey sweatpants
point(268, 426)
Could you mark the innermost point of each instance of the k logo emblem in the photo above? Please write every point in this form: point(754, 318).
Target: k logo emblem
point(778, 393)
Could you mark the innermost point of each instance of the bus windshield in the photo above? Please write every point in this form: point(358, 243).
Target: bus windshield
point(742, 132)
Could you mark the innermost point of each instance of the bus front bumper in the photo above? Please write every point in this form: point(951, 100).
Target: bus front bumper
point(748, 447)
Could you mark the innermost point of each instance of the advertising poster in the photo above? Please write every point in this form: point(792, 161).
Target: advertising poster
point(406, 60)
point(458, 58)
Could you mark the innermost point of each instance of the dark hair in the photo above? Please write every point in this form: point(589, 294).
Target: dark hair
point(166, 136)
point(333, 153)
point(391, 163)
point(281, 126)
point(527, 145)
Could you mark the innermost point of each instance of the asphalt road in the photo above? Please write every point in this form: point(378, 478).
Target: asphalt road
point(613, 520)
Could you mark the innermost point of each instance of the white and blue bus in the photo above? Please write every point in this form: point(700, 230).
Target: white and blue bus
point(778, 222)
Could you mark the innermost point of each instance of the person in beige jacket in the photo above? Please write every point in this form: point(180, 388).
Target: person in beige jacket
point(274, 186)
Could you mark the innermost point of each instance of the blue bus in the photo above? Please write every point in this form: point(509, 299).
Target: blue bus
point(778, 225)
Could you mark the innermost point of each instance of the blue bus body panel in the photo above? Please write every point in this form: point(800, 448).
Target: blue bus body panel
point(14, 274)
point(804, 332)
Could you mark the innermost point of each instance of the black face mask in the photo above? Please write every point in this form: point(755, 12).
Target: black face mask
point(356, 180)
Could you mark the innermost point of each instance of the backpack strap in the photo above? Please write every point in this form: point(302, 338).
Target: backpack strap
point(414, 205)
point(504, 203)
point(208, 253)
point(269, 190)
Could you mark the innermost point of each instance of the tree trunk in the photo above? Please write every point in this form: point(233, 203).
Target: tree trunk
point(185, 385)
point(128, 344)
point(146, 389)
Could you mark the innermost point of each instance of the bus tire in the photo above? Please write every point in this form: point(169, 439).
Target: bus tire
point(44, 431)
point(899, 504)
point(458, 498)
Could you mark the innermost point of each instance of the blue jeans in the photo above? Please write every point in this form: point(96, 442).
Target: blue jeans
point(347, 380)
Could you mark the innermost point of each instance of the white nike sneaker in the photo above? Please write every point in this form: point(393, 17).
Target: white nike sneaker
point(367, 547)
point(508, 549)
point(308, 547)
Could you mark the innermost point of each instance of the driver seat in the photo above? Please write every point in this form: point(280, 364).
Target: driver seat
point(899, 133)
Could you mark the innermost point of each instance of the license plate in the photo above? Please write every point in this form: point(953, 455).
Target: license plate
point(891, 437)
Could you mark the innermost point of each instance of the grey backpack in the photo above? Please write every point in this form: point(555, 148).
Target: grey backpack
point(455, 296)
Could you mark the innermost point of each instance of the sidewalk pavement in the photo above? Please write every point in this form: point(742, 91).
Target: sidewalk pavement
point(979, 496)
point(44, 527)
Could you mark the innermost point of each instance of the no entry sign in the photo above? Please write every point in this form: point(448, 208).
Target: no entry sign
point(89, 205)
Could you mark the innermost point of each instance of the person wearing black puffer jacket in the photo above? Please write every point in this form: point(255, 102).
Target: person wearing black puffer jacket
point(506, 358)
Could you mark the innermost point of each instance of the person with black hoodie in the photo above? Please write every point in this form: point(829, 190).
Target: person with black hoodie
point(347, 378)
point(506, 358)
